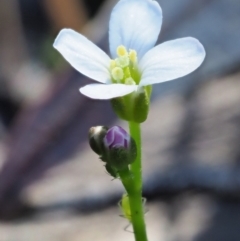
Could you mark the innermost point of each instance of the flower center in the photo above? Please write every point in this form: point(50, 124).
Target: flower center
point(124, 68)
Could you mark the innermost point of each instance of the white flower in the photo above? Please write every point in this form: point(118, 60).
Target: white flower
point(133, 31)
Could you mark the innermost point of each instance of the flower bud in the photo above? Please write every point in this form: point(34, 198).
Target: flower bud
point(120, 148)
point(96, 135)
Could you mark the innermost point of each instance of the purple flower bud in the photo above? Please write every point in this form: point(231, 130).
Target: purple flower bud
point(117, 137)
point(120, 148)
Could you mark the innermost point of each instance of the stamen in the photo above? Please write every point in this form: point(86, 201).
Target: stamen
point(117, 74)
point(133, 55)
point(113, 64)
point(122, 61)
point(121, 51)
point(124, 68)
point(129, 81)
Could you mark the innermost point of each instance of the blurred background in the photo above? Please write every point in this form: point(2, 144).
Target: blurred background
point(53, 188)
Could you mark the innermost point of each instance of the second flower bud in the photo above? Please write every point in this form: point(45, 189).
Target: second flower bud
point(117, 148)
point(120, 148)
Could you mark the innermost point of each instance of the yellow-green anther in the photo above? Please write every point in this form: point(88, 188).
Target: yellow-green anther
point(129, 81)
point(112, 64)
point(121, 51)
point(117, 73)
point(122, 61)
point(133, 55)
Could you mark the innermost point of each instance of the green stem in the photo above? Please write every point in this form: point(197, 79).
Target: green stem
point(136, 167)
point(133, 185)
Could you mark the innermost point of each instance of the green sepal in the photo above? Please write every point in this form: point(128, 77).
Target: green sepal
point(119, 157)
point(102, 158)
point(141, 105)
point(133, 107)
point(111, 171)
point(119, 105)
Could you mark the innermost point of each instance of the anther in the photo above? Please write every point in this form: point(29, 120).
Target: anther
point(112, 64)
point(122, 61)
point(129, 81)
point(117, 73)
point(121, 51)
point(133, 55)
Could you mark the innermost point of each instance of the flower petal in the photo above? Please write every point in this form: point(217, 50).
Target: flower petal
point(83, 55)
point(104, 92)
point(135, 24)
point(171, 60)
